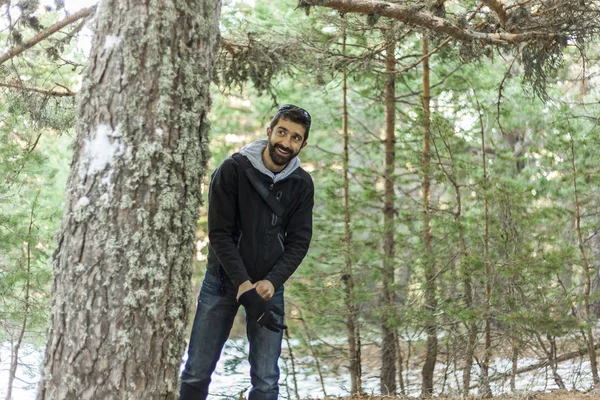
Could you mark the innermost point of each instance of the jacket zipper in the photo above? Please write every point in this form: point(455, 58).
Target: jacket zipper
point(240, 239)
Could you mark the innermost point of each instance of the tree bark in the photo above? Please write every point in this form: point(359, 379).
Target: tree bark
point(388, 356)
point(122, 266)
point(430, 284)
point(352, 323)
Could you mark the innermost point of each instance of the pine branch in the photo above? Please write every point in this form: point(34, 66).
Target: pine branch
point(15, 51)
point(55, 93)
point(497, 7)
point(415, 17)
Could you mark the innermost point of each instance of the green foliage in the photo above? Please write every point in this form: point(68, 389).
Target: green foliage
point(30, 213)
point(531, 148)
point(34, 162)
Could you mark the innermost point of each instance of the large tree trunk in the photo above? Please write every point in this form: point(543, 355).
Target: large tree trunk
point(388, 358)
point(352, 322)
point(122, 265)
point(430, 284)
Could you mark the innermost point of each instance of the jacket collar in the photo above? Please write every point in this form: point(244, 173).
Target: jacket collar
point(253, 152)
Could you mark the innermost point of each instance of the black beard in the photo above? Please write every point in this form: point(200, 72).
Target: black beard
point(277, 158)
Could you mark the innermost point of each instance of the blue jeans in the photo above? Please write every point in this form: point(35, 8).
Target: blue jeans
point(212, 324)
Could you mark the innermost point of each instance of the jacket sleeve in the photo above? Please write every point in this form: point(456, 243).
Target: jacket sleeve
point(299, 233)
point(222, 209)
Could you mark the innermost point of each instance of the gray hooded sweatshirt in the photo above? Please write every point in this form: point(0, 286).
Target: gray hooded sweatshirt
point(253, 152)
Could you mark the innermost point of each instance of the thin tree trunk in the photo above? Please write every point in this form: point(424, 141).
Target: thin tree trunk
point(400, 358)
point(487, 354)
point(14, 360)
point(516, 344)
point(587, 272)
point(430, 284)
point(293, 362)
point(554, 365)
point(388, 361)
point(466, 273)
point(121, 291)
point(352, 323)
point(314, 353)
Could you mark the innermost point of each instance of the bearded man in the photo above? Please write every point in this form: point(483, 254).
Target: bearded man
point(259, 227)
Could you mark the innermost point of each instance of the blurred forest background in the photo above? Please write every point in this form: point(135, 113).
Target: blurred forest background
point(457, 219)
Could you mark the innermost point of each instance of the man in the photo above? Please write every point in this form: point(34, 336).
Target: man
point(252, 252)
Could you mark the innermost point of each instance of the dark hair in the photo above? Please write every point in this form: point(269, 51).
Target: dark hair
point(294, 114)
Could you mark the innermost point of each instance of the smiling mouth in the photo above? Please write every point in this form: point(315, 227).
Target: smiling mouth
point(283, 151)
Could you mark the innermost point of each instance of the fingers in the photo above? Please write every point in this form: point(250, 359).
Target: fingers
point(264, 294)
point(268, 321)
point(265, 289)
point(280, 326)
point(272, 328)
point(275, 326)
point(276, 310)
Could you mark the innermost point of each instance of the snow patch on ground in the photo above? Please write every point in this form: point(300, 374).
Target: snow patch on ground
point(232, 376)
point(28, 371)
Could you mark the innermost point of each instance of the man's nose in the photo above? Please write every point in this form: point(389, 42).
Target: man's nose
point(287, 142)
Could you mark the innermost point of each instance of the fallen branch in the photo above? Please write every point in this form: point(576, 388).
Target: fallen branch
point(15, 51)
point(544, 363)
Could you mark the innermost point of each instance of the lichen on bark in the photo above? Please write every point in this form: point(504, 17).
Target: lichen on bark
point(122, 266)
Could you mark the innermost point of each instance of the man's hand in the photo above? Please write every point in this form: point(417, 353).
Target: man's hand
point(261, 310)
point(265, 288)
point(244, 287)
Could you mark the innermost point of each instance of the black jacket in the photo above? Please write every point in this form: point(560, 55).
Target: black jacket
point(246, 238)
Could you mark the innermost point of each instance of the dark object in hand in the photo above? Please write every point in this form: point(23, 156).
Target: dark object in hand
point(261, 310)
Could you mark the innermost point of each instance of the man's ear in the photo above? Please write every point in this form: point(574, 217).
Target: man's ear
point(304, 145)
point(268, 131)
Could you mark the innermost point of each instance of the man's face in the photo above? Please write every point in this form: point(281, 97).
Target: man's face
point(286, 140)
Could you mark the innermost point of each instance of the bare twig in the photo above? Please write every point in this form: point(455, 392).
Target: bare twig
point(56, 93)
point(15, 51)
point(499, 102)
point(420, 60)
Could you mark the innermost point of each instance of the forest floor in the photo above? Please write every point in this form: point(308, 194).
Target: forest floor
point(554, 395)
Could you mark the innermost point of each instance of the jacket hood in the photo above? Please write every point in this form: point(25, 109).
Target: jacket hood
point(253, 152)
